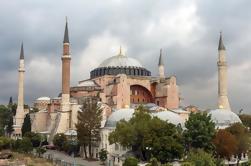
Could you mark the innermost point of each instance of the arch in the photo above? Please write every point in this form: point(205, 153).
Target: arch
point(140, 95)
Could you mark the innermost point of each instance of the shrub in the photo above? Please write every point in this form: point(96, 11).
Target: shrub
point(34, 137)
point(5, 143)
point(40, 151)
point(25, 145)
point(59, 140)
point(199, 157)
point(103, 155)
point(131, 161)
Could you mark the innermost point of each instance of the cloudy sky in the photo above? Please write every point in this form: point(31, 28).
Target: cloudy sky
point(188, 32)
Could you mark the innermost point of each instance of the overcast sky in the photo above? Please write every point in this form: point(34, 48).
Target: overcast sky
point(188, 32)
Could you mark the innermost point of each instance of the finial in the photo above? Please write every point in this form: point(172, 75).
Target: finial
point(66, 19)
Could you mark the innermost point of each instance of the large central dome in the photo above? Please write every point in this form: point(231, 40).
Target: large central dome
point(120, 64)
point(120, 61)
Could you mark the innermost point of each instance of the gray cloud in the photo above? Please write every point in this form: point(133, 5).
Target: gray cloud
point(187, 31)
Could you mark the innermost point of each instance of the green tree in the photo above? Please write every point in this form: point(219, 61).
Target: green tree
point(5, 119)
point(242, 136)
point(26, 125)
point(40, 151)
point(246, 120)
point(25, 145)
point(225, 144)
point(200, 131)
point(103, 155)
point(36, 139)
point(59, 140)
point(198, 157)
point(149, 136)
point(89, 123)
point(131, 161)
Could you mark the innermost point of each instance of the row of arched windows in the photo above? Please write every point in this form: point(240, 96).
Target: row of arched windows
point(120, 70)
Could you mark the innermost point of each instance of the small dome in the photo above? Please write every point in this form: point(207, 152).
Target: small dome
point(127, 114)
point(170, 117)
point(43, 99)
point(120, 61)
point(87, 83)
point(224, 118)
point(119, 115)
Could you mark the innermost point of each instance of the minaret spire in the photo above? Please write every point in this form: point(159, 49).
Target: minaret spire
point(161, 66)
point(22, 51)
point(221, 45)
point(222, 76)
point(66, 35)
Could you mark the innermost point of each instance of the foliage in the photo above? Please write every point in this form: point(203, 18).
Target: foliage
point(225, 144)
point(5, 143)
point(187, 164)
point(149, 136)
point(40, 151)
point(153, 162)
point(246, 120)
point(103, 155)
point(71, 147)
point(200, 130)
point(34, 137)
point(59, 140)
point(26, 125)
point(6, 120)
point(131, 161)
point(89, 123)
point(242, 136)
point(199, 157)
point(25, 145)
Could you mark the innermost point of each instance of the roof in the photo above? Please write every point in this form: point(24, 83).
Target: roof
point(66, 35)
point(87, 83)
point(127, 114)
point(221, 45)
point(161, 63)
point(43, 98)
point(224, 118)
point(120, 61)
point(22, 52)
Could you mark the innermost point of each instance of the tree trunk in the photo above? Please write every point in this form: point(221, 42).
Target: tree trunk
point(85, 151)
point(90, 150)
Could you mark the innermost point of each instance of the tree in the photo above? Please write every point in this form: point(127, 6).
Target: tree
point(25, 145)
point(35, 138)
point(26, 125)
point(242, 136)
point(6, 120)
point(59, 140)
point(199, 157)
point(225, 144)
point(89, 123)
point(200, 130)
point(103, 155)
point(149, 136)
point(246, 120)
point(40, 151)
point(130, 161)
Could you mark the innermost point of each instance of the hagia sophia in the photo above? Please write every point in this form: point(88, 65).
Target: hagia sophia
point(122, 84)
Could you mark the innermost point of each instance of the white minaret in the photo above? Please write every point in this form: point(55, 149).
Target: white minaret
point(19, 117)
point(161, 66)
point(222, 76)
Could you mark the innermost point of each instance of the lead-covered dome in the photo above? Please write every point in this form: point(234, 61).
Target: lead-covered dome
point(120, 64)
point(120, 61)
point(224, 118)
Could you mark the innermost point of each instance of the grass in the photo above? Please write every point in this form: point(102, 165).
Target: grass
point(29, 160)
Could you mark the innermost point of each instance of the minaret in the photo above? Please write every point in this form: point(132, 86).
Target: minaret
point(66, 63)
point(222, 76)
point(161, 66)
point(19, 117)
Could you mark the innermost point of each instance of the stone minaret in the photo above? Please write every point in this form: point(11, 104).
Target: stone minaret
point(66, 64)
point(63, 121)
point(161, 66)
point(222, 76)
point(19, 117)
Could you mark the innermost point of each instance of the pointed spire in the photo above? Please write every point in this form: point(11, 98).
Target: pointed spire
point(22, 51)
point(160, 58)
point(66, 35)
point(221, 45)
